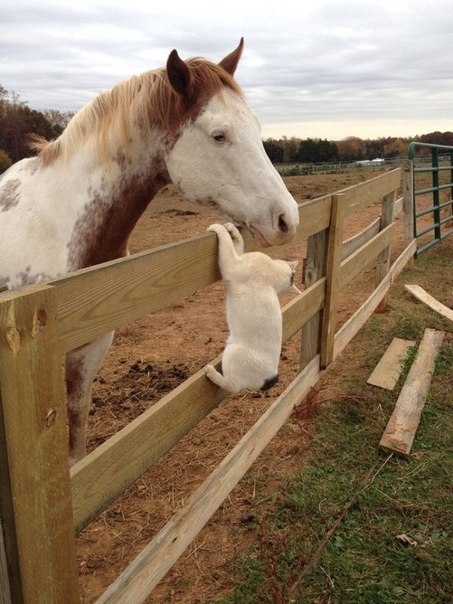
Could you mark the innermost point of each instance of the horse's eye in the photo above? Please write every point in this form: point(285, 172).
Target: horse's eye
point(219, 137)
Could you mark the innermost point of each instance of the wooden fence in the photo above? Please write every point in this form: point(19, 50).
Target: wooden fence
point(42, 503)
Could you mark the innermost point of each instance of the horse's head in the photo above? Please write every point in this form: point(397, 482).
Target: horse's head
point(217, 155)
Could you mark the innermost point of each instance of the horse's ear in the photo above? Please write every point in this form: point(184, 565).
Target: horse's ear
point(178, 74)
point(230, 62)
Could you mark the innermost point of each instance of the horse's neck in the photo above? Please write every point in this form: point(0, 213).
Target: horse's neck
point(117, 195)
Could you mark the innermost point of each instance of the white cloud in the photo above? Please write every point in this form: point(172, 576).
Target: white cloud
point(321, 67)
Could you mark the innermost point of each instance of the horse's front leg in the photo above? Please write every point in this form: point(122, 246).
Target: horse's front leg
point(82, 364)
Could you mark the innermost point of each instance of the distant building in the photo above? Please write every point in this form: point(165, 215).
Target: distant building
point(371, 162)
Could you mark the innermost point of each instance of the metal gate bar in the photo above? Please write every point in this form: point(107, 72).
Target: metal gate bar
point(439, 160)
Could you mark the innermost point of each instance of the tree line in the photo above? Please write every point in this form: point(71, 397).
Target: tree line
point(316, 150)
point(18, 123)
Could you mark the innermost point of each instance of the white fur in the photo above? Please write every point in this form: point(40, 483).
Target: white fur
point(42, 205)
point(235, 172)
point(252, 351)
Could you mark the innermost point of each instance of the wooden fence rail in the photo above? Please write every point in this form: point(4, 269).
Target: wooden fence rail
point(41, 500)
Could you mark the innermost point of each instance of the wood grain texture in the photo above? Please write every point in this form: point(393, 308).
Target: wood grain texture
point(347, 331)
point(315, 269)
point(143, 574)
point(383, 260)
point(361, 258)
point(387, 372)
point(333, 266)
point(419, 293)
point(400, 431)
point(34, 474)
point(105, 473)
point(360, 196)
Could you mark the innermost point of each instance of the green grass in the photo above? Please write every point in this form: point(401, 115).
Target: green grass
point(359, 525)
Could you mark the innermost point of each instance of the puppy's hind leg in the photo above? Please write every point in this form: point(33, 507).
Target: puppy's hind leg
point(216, 377)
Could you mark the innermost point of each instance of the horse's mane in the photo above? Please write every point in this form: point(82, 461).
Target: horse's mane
point(150, 96)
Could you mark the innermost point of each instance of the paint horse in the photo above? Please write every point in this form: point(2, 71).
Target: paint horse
point(75, 204)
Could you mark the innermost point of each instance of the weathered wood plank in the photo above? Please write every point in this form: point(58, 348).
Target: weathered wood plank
point(104, 474)
point(398, 206)
point(333, 265)
point(100, 477)
point(356, 241)
point(360, 196)
point(315, 268)
point(361, 258)
point(422, 295)
point(408, 201)
point(403, 423)
point(345, 334)
point(302, 308)
point(5, 592)
point(34, 475)
point(387, 372)
point(142, 575)
point(98, 299)
point(383, 261)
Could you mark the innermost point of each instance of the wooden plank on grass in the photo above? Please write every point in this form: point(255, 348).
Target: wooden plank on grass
point(419, 293)
point(403, 423)
point(388, 370)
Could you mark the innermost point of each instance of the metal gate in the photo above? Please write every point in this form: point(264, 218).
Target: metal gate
point(432, 192)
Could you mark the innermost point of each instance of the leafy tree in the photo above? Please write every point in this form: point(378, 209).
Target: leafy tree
point(17, 123)
point(395, 147)
point(290, 147)
point(5, 161)
point(274, 150)
point(58, 119)
point(351, 149)
point(316, 151)
point(438, 138)
point(374, 148)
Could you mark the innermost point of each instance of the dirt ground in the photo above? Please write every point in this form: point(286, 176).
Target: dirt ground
point(152, 356)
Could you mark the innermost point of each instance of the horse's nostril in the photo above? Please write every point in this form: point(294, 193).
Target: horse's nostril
point(282, 224)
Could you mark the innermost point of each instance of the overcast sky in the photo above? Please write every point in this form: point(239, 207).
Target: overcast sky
point(310, 68)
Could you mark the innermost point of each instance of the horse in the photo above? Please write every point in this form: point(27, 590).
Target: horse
point(75, 203)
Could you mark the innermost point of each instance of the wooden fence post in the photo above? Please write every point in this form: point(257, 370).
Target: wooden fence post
point(34, 474)
point(314, 269)
point(408, 204)
point(383, 260)
point(333, 263)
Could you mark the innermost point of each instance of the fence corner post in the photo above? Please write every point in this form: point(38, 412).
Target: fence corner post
point(36, 503)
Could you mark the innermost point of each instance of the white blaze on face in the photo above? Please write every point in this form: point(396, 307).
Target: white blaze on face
point(219, 158)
